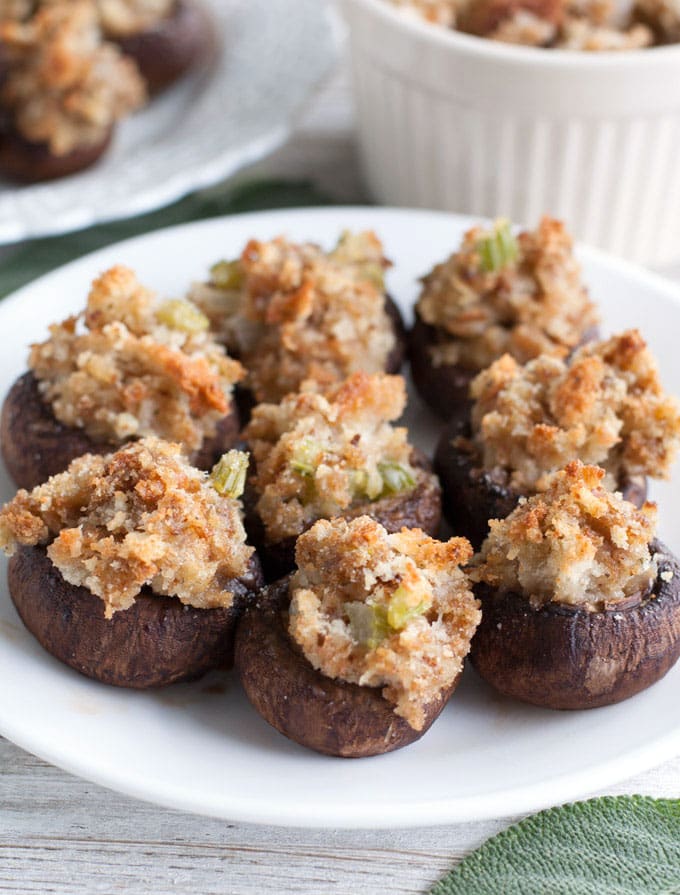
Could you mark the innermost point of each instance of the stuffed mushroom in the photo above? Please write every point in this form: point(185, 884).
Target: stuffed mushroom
point(358, 651)
point(63, 90)
point(133, 568)
point(317, 455)
point(292, 312)
point(605, 405)
point(128, 366)
point(165, 38)
point(580, 602)
point(497, 294)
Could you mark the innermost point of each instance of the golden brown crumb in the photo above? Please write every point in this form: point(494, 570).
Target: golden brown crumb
point(663, 16)
point(576, 543)
point(605, 406)
point(140, 517)
point(590, 25)
point(525, 27)
point(579, 34)
point(379, 610)
point(440, 12)
point(533, 305)
point(15, 10)
point(120, 18)
point(138, 368)
point(292, 312)
point(317, 454)
point(65, 87)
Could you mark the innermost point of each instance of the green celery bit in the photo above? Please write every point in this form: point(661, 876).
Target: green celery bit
point(305, 456)
point(229, 474)
point(499, 248)
point(351, 250)
point(182, 315)
point(368, 623)
point(396, 477)
point(227, 275)
point(401, 610)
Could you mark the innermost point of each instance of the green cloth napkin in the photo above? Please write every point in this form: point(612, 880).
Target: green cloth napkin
point(31, 259)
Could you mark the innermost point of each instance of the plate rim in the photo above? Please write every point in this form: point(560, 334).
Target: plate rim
point(426, 813)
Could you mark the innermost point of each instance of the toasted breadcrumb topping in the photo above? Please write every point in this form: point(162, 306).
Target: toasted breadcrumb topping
point(121, 18)
point(525, 27)
point(605, 406)
point(15, 10)
point(318, 454)
point(591, 25)
point(142, 517)
point(439, 12)
point(663, 16)
point(129, 366)
point(383, 610)
point(579, 34)
point(292, 312)
point(534, 304)
point(65, 87)
point(118, 18)
point(577, 543)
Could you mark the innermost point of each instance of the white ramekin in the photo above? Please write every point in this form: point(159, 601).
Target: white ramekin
point(456, 122)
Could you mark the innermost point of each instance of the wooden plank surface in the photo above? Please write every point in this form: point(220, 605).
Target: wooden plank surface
point(62, 835)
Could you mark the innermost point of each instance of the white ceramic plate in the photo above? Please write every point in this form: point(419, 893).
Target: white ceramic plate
point(235, 110)
point(200, 747)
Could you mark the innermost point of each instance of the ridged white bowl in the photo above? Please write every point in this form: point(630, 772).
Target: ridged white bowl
point(454, 122)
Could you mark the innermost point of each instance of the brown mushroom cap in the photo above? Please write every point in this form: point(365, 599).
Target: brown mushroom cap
point(327, 715)
point(157, 641)
point(27, 162)
point(35, 445)
point(472, 495)
point(171, 47)
point(565, 657)
point(419, 508)
point(444, 388)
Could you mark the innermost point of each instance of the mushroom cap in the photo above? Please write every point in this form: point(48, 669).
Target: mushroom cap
point(330, 716)
point(157, 641)
point(566, 657)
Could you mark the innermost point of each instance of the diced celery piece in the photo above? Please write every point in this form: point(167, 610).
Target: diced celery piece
point(305, 457)
point(403, 607)
point(229, 474)
point(499, 248)
point(396, 478)
point(368, 623)
point(227, 274)
point(182, 315)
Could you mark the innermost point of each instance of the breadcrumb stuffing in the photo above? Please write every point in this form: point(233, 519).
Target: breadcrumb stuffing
point(292, 312)
point(15, 10)
point(66, 87)
point(534, 304)
point(129, 366)
point(384, 610)
point(590, 25)
point(318, 454)
point(577, 543)
point(663, 16)
point(121, 18)
point(141, 517)
point(579, 34)
point(605, 406)
point(439, 12)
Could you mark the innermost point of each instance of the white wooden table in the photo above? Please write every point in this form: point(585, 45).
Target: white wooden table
point(59, 834)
